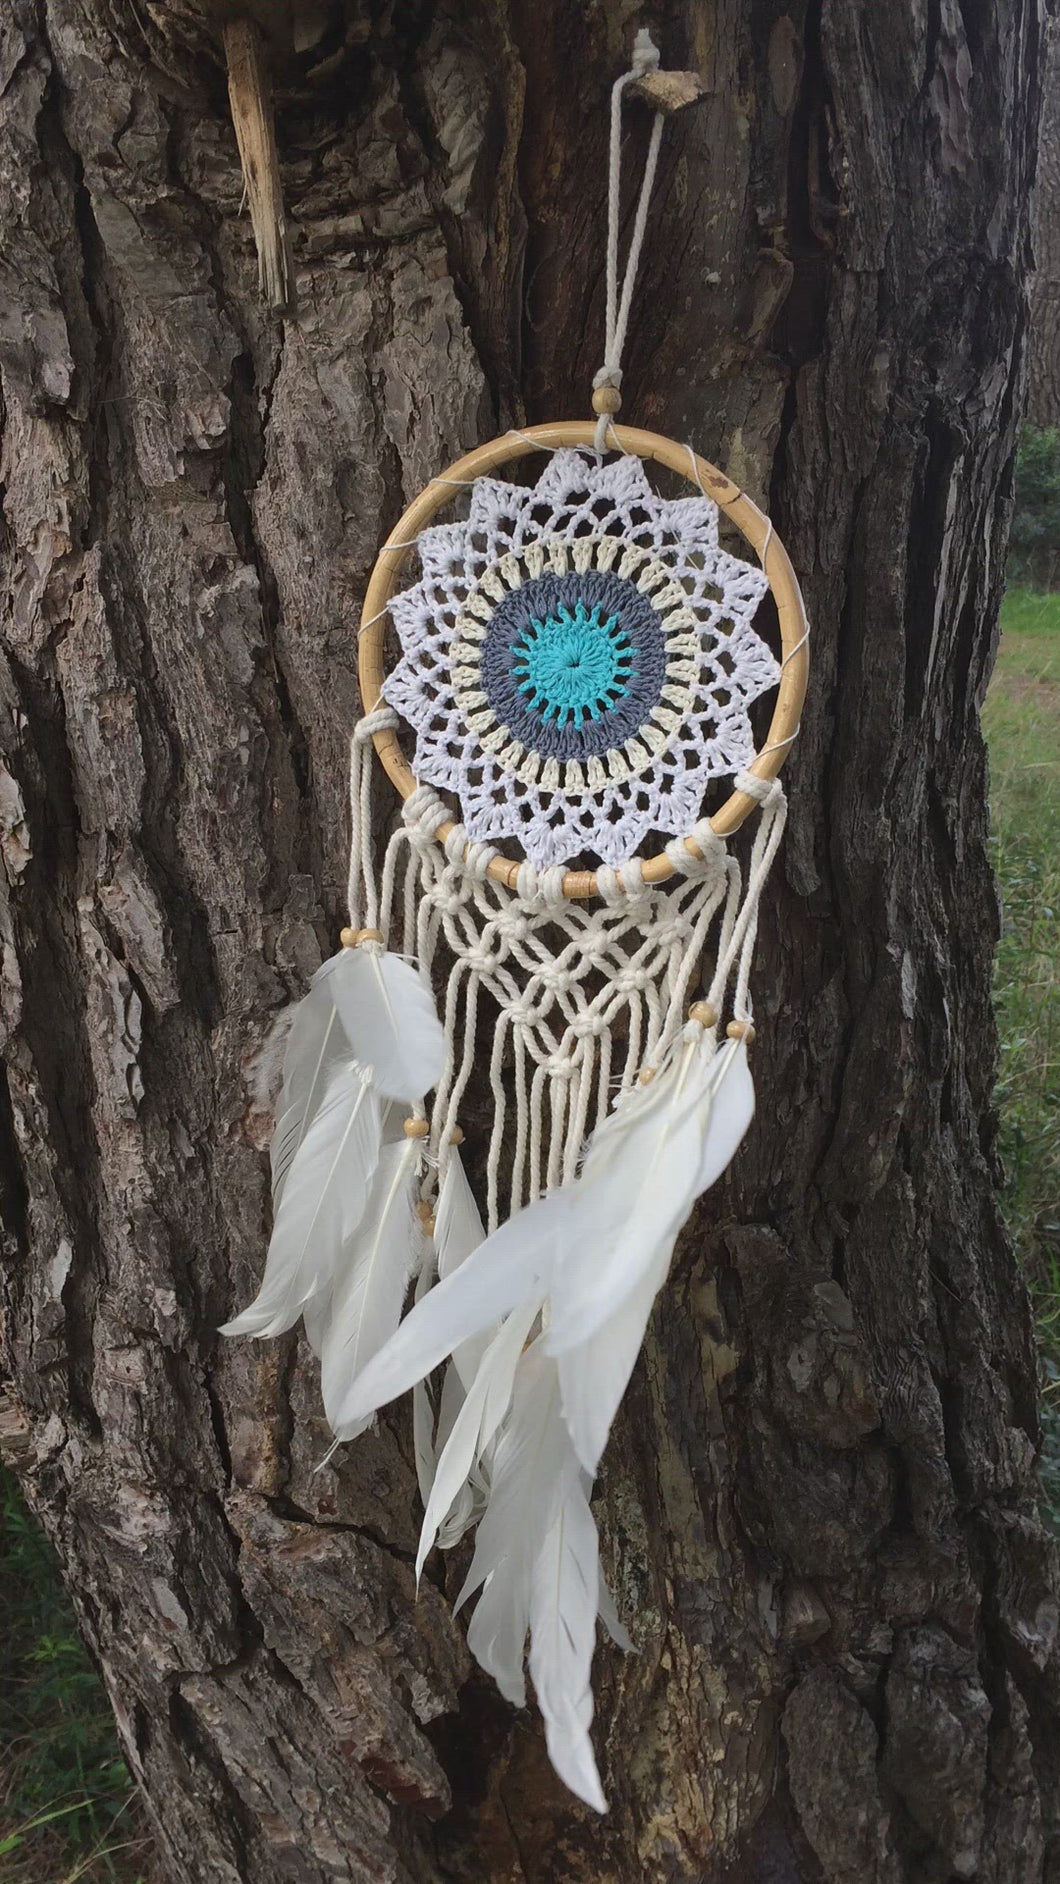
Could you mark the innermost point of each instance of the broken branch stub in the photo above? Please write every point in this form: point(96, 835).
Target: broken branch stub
point(250, 97)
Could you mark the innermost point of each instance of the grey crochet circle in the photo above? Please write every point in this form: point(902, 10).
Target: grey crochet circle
point(573, 665)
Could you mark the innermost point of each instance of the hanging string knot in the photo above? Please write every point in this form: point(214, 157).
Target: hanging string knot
point(645, 54)
point(607, 399)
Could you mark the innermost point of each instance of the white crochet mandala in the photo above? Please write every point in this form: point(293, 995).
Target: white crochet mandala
point(578, 660)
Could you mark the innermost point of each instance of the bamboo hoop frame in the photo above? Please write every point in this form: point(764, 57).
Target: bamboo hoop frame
point(749, 520)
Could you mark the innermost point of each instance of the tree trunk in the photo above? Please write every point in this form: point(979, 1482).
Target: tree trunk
point(1043, 349)
point(818, 1508)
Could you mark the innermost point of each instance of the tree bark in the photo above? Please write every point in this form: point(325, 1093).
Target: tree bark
point(1043, 349)
point(818, 1509)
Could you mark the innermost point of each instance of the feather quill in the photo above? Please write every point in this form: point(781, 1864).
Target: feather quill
point(323, 1200)
point(368, 1299)
point(389, 1017)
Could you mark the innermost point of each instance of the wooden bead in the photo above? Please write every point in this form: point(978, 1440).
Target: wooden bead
point(456, 1136)
point(607, 400)
point(350, 938)
point(740, 1030)
point(646, 1075)
point(702, 1012)
point(416, 1128)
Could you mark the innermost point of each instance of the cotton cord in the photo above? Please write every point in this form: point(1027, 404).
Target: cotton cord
point(620, 298)
point(581, 997)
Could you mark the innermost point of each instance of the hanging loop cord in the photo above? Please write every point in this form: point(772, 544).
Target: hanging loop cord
point(606, 395)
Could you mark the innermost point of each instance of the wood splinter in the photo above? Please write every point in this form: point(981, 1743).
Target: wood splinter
point(250, 97)
point(669, 91)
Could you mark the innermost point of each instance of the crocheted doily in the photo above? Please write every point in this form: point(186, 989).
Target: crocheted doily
point(578, 660)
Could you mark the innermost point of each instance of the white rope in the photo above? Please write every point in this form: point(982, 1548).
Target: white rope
point(620, 299)
point(579, 998)
point(361, 899)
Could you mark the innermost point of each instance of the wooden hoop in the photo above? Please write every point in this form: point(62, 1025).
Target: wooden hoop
point(729, 498)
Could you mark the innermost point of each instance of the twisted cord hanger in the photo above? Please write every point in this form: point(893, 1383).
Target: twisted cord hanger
point(606, 383)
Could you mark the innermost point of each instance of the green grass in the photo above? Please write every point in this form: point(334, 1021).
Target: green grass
point(1022, 720)
point(68, 1810)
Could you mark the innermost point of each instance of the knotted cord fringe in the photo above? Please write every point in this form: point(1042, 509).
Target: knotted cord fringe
point(589, 996)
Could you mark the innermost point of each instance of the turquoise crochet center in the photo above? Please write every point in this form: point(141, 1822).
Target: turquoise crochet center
point(573, 667)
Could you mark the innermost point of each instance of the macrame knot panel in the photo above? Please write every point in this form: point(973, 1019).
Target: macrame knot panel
point(574, 998)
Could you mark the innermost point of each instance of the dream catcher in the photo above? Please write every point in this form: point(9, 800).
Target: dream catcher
point(578, 658)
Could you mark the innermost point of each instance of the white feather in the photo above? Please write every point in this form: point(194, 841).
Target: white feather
point(389, 1016)
point(508, 1268)
point(532, 1467)
point(370, 1294)
point(730, 1115)
point(485, 1405)
point(564, 1591)
point(423, 1439)
point(423, 1445)
point(595, 1374)
point(458, 1233)
point(644, 1170)
point(265, 1069)
point(316, 1044)
point(536, 1565)
point(315, 1317)
point(323, 1200)
point(457, 1224)
point(450, 1401)
point(468, 1505)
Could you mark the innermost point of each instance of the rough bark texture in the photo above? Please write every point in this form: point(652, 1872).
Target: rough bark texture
point(818, 1509)
point(1043, 347)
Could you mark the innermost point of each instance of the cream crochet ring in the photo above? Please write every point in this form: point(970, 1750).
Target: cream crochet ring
point(579, 660)
point(581, 730)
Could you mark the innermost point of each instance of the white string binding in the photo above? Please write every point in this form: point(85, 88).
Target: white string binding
point(619, 301)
